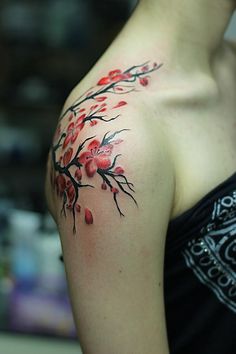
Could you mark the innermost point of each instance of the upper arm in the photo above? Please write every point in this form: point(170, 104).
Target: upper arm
point(112, 194)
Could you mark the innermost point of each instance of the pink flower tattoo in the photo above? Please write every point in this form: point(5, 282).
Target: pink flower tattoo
point(74, 165)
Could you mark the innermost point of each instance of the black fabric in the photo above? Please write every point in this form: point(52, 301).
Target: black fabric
point(200, 275)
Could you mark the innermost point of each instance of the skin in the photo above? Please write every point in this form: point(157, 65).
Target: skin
point(171, 129)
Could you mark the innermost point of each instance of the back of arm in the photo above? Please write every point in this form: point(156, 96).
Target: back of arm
point(111, 188)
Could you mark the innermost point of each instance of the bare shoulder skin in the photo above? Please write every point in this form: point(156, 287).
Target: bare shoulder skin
point(130, 141)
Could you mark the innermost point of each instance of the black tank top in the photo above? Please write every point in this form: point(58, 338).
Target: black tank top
point(200, 275)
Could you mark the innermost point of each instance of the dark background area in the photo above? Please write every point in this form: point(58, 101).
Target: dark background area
point(46, 47)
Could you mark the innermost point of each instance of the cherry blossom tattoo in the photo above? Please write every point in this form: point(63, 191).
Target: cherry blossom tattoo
point(73, 165)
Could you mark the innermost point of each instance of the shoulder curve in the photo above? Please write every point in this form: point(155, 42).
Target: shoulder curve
point(101, 133)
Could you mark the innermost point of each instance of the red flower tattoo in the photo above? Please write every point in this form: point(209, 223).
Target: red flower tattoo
point(73, 131)
point(88, 216)
point(114, 76)
point(94, 157)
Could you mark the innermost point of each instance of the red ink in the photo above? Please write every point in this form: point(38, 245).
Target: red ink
point(145, 68)
point(67, 156)
point(93, 107)
point(71, 117)
point(118, 78)
point(88, 216)
point(120, 104)
point(119, 89)
point(78, 208)
point(114, 190)
point(102, 110)
point(71, 193)
point(104, 81)
point(119, 170)
point(73, 131)
point(104, 186)
point(78, 174)
point(143, 81)
point(114, 72)
point(101, 99)
point(60, 183)
point(113, 77)
point(96, 157)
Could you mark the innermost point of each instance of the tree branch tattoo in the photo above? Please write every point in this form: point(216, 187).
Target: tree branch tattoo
point(94, 157)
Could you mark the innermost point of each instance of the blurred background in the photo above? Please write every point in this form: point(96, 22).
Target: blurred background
point(46, 47)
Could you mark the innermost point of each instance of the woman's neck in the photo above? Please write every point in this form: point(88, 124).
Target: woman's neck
point(186, 33)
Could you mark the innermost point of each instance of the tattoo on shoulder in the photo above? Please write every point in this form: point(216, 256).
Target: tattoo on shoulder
point(74, 165)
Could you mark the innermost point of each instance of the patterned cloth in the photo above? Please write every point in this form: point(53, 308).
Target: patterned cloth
point(200, 275)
